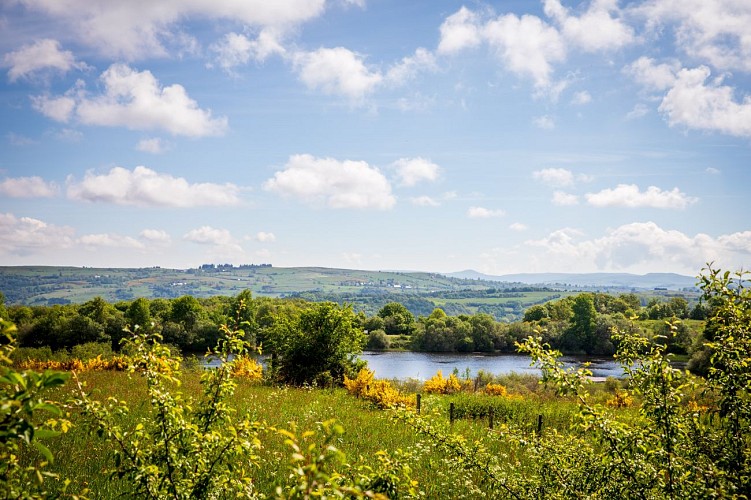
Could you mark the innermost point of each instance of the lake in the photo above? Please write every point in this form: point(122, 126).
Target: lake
point(423, 365)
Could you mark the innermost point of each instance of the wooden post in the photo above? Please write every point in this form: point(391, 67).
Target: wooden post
point(491, 414)
point(451, 413)
point(539, 424)
point(419, 401)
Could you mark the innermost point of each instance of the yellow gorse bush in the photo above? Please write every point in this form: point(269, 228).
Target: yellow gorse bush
point(248, 368)
point(117, 363)
point(495, 390)
point(440, 385)
point(621, 399)
point(380, 392)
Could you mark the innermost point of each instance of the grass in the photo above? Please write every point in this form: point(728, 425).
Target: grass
point(83, 458)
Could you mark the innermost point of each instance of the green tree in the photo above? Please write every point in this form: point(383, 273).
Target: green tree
point(321, 341)
point(397, 320)
point(138, 313)
point(581, 333)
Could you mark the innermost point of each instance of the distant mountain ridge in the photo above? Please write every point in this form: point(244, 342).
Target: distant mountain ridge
point(671, 281)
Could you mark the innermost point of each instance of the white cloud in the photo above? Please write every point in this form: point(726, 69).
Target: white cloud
point(19, 139)
point(638, 111)
point(337, 71)
point(526, 45)
point(131, 30)
point(637, 247)
point(651, 75)
point(554, 176)
point(630, 196)
point(459, 31)
point(236, 49)
point(409, 67)
point(484, 213)
point(581, 98)
point(713, 31)
point(544, 122)
point(56, 108)
point(518, 226)
point(157, 236)
point(153, 145)
point(596, 29)
point(137, 101)
point(424, 201)
point(110, 240)
point(25, 235)
point(694, 104)
point(264, 237)
point(563, 199)
point(28, 187)
point(333, 183)
point(411, 171)
point(41, 55)
point(207, 235)
point(713, 171)
point(145, 187)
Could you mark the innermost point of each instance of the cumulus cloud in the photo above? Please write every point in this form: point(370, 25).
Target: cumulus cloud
point(28, 187)
point(715, 32)
point(110, 240)
point(630, 196)
point(21, 236)
point(648, 73)
point(337, 71)
point(135, 100)
point(409, 67)
point(638, 111)
point(694, 103)
point(424, 201)
point(265, 237)
point(145, 187)
point(411, 171)
point(581, 98)
point(157, 236)
point(544, 122)
point(131, 30)
point(59, 109)
point(518, 226)
point(554, 176)
point(563, 199)
point(44, 54)
point(153, 145)
point(526, 45)
point(637, 247)
point(459, 31)
point(333, 183)
point(484, 213)
point(207, 235)
point(236, 49)
point(599, 28)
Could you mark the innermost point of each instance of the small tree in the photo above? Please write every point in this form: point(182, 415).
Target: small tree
point(321, 340)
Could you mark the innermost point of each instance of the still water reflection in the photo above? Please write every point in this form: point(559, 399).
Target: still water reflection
point(423, 365)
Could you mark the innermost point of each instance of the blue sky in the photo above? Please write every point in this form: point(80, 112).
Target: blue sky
point(504, 137)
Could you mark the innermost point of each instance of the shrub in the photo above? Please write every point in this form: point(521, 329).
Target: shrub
point(380, 392)
point(437, 384)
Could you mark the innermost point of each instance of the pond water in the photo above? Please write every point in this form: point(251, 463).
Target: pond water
point(423, 365)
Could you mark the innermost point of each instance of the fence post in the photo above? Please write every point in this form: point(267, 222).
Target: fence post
point(451, 413)
point(539, 424)
point(491, 414)
point(419, 400)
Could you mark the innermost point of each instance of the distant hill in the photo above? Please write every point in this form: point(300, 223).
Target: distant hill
point(648, 281)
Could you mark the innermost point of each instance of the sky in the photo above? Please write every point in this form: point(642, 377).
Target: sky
point(429, 135)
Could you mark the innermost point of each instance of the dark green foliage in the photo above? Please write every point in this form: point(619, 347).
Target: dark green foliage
point(318, 338)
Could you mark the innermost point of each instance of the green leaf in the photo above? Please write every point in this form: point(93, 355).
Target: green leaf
point(44, 451)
